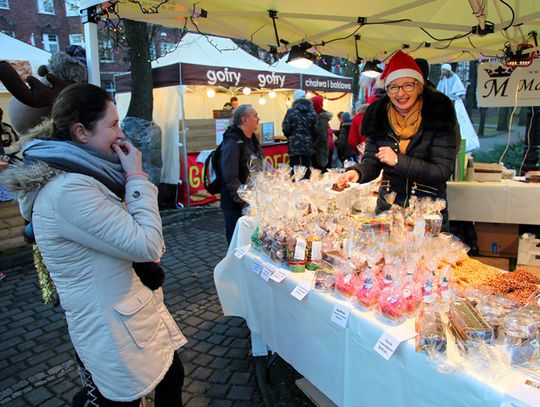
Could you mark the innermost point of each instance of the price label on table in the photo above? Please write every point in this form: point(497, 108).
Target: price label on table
point(340, 315)
point(267, 272)
point(524, 394)
point(316, 250)
point(257, 267)
point(240, 252)
point(278, 276)
point(300, 291)
point(390, 340)
point(300, 249)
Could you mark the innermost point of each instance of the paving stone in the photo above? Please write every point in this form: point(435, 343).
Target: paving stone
point(220, 376)
point(203, 360)
point(240, 393)
point(218, 351)
point(203, 347)
point(199, 401)
point(219, 363)
point(236, 353)
point(37, 396)
point(201, 373)
point(240, 378)
point(197, 387)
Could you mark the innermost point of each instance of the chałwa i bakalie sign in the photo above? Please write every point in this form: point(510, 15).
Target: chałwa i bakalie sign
point(500, 86)
point(192, 74)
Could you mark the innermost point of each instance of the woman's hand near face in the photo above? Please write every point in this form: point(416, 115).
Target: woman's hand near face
point(387, 156)
point(130, 157)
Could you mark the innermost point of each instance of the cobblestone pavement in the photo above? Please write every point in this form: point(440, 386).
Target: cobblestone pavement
point(37, 365)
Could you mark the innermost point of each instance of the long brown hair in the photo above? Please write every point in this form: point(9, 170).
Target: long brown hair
point(78, 103)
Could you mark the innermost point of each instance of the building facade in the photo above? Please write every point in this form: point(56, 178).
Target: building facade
point(53, 25)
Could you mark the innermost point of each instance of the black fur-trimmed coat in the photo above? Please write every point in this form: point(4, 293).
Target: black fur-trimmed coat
point(430, 156)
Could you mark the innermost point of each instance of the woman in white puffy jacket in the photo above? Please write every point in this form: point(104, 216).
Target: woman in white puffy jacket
point(94, 213)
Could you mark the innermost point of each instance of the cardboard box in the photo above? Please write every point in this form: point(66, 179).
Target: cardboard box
point(497, 239)
point(502, 263)
point(529, 250)
point(485, 172)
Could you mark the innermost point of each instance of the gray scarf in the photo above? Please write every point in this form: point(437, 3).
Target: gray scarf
point(75, 157)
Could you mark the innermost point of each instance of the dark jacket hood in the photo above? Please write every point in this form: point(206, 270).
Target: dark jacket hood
point(437, 113)
point(234, 132)
point(326, 114)
point(303, 105)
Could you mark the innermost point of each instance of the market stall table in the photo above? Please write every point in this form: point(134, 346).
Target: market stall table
point(341, 362)
point(507, 201)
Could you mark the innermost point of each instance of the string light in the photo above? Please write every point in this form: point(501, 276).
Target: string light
point(262, 101)
point(272, 94)
point(210, 93)
point(246, 91)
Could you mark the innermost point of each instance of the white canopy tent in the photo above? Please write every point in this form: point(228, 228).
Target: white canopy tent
point(184, 98)
point(27, 59)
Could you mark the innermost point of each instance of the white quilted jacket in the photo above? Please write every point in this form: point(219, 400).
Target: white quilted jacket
point(88, 238)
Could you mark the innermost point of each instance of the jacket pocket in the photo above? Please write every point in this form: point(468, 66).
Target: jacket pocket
point(139, 315)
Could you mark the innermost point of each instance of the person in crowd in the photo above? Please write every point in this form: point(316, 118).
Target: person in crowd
point(10, 142)
point(423, 64)
point(240, 146)
point(342, 143)
point(451, 86)
point(94, 213)
point(299, 126)
point(356, 140)
point(231, 104)
point(320, 142)
point(410, 137)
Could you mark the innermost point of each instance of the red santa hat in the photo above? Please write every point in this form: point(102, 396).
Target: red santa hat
point(400, 65)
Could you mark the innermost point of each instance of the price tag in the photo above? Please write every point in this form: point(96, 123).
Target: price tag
point(316, 250)
point(300, 249)
point(347, 246)
point(267, 272)
point(240, 252)
point(524, 394)
point(278, 276)
point(257, 267)
point(340, 315)
point(390, 340)
point(300, 291)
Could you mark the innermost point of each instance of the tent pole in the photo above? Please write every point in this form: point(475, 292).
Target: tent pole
point(184, 139)
point(89, 20)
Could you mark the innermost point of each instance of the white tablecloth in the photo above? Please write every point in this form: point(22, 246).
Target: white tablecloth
point(507, 201)
point(342, 362)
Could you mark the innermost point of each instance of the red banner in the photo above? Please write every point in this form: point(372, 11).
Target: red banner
point(275, 155)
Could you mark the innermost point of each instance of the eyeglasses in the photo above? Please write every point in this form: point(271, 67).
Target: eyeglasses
point(407, 87)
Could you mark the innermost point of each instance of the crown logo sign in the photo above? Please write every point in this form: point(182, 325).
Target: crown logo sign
point(499, 72)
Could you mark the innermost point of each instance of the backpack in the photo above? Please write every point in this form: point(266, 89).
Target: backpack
point(212, 178)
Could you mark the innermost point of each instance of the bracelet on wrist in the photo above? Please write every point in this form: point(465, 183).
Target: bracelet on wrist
point(136, 174)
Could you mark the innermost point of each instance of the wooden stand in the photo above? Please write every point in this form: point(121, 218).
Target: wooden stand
point(11, 226)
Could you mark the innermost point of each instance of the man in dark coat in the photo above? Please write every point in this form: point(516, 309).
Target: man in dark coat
point(239, 147)
point(410, 136)
point(320, 143)
point(300, 128)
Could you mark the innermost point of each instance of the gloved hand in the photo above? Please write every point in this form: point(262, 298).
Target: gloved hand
point(151, 274)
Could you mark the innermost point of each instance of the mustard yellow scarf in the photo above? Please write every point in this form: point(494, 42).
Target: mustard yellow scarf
point(407, 126)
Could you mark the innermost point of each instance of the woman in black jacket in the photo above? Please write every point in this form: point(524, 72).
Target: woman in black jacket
point(411, 136)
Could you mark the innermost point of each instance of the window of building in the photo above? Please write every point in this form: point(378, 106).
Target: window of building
point(165, 47)
point(4, 4)
point(46, 6)
point(8, 32)
point(76, 39)
point(108, 85)
point(50, 43)
point(72, 8)
point(153, 54)
point(106, 50)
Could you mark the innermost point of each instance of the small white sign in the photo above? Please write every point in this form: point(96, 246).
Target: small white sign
point(524, 394)
point(278, 276)
point(257, 267)
point(316, 250)
point(300, 291)
point(390, 340)
point(267, 272)
point(240, 252)
point(300, 249)
point(340, 315)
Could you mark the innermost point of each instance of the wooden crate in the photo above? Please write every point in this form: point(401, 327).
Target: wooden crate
point(201, 134)
point(11, 226)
